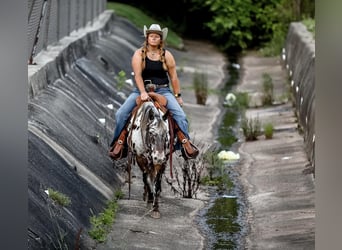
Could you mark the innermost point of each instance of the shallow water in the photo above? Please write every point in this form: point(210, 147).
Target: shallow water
point(222, 220)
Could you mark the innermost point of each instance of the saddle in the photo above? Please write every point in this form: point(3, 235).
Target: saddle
point(189, 150)
point(159, 101)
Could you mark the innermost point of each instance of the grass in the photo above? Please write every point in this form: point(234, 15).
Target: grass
point(216, 174)
point(251, 128)
point(120, 79)
point(101, 223)
point(200, 83)
point(268, 130)
point(139, 19)
point(267, 85)
point(59, 198)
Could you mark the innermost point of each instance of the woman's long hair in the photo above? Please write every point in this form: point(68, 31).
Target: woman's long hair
point(161, 52)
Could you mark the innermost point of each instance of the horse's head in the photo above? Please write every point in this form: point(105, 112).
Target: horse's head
point(157, 136)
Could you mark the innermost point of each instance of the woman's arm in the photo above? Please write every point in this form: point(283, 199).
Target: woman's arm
point(171, 65)
point(137, 69)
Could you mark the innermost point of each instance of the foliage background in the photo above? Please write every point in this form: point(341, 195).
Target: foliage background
point(233, 25)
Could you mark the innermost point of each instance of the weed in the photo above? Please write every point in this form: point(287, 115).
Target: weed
point(102, 222)
point(251, 128)
point(59, 198)
point(242, 100)
point(216, 174)
point(267, 85)
point(120, 79)
point(200, 83)
point(56, 197)
point(213, 161)
point(118, 194)
point(268, 130)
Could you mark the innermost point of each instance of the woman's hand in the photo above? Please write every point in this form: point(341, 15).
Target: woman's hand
point(144, 96)
point(180, 101)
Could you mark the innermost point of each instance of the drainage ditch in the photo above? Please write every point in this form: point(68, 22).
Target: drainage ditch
point(222, 221)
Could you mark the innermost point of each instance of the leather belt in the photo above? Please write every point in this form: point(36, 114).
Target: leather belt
point(150, 86)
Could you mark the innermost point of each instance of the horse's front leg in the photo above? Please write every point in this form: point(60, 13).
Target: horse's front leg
point(146, 188)
point(142, 163)
point(156, 192)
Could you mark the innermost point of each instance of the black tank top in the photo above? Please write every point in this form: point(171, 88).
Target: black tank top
point(154, 71)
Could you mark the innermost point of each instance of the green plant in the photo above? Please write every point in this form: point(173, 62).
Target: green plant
point(102, 222)
point(59, 234)
point(268, 130)
point(216, 174)
point(200, 83)
point(213, 161)
point(120, 79)
point(310, 25)
point(274, 46)
point(267, 85)
point(251, 128)
point(118, 194)
point(59, 198)
point(245, 24)
point(242, 100)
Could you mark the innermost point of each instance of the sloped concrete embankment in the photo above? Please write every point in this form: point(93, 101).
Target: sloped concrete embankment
point(277, 173)
point(72, 98)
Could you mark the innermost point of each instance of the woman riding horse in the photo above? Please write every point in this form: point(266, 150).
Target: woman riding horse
point(153, 66)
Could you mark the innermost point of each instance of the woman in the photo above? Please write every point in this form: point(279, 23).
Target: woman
point(153, 66)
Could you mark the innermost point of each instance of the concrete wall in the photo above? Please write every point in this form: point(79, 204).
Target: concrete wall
point(51, 20)
point(47, 62)
point(299, 56)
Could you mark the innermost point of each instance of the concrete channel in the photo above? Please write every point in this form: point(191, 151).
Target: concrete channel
point(276, 174)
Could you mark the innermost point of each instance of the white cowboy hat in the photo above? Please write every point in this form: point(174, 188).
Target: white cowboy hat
point(155, 28)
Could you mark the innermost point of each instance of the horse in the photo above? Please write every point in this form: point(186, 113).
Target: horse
point(149, 146)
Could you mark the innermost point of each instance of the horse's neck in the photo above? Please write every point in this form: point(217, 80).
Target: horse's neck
point(140, 126)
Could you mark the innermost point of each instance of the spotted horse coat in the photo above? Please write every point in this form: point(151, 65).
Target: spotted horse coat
point(149, 146)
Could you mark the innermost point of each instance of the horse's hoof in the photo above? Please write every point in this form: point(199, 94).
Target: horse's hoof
point(155, 214)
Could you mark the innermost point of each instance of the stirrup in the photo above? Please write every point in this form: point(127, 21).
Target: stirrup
point(190, 147)
point(117, 151)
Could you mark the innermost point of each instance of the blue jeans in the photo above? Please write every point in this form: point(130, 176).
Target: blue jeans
point(124, 112)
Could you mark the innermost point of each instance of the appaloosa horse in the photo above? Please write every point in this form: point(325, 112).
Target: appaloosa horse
point(149, 146)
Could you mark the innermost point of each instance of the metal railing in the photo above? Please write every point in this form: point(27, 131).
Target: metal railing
point(51, 20)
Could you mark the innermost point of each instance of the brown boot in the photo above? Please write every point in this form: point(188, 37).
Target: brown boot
point(189, 150)
point(118, 151)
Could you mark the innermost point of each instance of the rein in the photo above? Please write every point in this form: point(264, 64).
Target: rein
point(159, 103)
